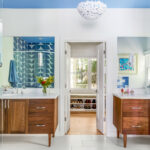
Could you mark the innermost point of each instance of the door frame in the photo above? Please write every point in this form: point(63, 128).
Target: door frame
point(62, 83)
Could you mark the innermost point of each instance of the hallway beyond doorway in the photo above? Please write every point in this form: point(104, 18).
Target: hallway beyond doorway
point(83, 124)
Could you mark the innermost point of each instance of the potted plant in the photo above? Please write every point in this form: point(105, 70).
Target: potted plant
point(45, 82)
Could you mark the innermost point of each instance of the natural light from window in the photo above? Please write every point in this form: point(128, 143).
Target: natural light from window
point(148, 70)
point(83, 73)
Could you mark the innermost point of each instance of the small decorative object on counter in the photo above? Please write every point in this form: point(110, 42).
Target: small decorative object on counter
point(125, 92)
point(122, 91)
point(128, 91)
point(45, 82)
point(132, 92)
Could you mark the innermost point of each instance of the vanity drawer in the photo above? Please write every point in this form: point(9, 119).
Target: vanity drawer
point(135, 108)
point(41, 108)
point(41, 101)
point(40, 124)
point(37, 119)
point(39, 128)
point(136, 125)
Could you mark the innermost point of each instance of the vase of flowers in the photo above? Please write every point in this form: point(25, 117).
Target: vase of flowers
point(45, 82)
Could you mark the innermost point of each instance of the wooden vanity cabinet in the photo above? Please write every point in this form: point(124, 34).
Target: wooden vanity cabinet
point(30, 116)
point(4, 115)
point(43, 117)
point(131, 116)
point(1, 117)
point(17, 116)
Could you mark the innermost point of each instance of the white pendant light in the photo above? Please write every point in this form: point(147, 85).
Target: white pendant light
point(91, 10)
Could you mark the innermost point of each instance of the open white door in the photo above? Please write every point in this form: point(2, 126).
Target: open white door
point(67, 87)
point(100, 87)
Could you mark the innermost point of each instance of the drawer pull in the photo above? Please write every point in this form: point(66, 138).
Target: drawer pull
point(40, 125)
point(40, 107)
point(136, 126)
point(5, 104)
point(136, 108)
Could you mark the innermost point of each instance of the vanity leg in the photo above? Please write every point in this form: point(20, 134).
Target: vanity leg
point(53, 135)
point(118, 134)
point(49, 139)
point(125, 140)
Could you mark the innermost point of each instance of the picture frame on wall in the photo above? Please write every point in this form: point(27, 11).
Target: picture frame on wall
point(128, 63)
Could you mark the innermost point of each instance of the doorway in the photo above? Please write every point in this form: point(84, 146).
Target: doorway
point(85, 96)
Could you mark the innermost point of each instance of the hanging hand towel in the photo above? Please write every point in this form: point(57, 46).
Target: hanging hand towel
point(13, 79)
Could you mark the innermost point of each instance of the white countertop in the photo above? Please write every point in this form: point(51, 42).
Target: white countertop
point(28, 96)
point(136, 96)
point(73, 94)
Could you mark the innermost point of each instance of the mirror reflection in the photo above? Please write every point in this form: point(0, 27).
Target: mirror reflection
point(24, 59)
point(133, 62)
point(0, 44)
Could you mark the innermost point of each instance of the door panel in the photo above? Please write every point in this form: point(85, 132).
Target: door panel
point(3, 117)
point(1, 122)
point(100, 87)
point(67, 87)
point(17, 116)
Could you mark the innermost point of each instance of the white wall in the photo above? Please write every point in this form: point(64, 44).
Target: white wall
point(66, 24)
point(134, 46)
point(7, 51)
point(1, 33)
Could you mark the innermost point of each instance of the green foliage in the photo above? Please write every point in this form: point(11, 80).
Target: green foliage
point(45, 82)
point(94, 66)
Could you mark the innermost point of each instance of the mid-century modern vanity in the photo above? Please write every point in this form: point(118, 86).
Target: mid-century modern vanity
point(30, 114)
point(131, 115)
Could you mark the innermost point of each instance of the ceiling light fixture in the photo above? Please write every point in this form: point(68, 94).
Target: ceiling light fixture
point(91, 10)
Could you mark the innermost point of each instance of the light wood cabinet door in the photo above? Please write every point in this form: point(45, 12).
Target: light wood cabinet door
point(17, 116)
point(3, 116)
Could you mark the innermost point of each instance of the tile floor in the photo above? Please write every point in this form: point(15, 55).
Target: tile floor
point(73, 142)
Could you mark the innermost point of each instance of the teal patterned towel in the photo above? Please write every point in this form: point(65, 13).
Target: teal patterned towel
point(13, 79)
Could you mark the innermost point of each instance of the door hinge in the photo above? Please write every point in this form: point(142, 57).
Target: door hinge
point(104, 52)
point(65, 119)
point(104, 118)
point(105, 49)
point(5, 103)
point(65, 86)
point(65, 52)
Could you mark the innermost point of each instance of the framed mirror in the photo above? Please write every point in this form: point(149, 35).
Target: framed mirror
point(133, 62)
point(25, 58)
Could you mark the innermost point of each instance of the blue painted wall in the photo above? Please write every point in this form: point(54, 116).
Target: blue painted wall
point(1, 3)
point(72, 3)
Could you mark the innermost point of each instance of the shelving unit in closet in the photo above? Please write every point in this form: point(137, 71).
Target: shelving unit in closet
point(83, 103)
